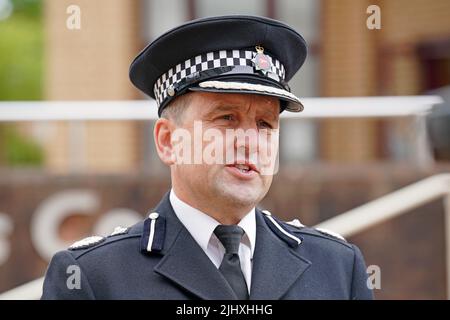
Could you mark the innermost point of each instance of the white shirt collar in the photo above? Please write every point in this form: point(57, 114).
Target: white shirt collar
point(201, 226)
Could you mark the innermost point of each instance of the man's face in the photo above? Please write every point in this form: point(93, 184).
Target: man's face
point(237, 176)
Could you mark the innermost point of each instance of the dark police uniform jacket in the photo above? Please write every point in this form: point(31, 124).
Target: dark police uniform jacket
point(120, 267)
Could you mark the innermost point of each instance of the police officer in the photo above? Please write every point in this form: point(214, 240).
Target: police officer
point(206, 238)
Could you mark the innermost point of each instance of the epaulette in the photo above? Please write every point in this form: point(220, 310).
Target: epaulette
point(280, 228)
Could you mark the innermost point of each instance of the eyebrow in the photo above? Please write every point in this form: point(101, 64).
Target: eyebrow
point(219, 108)
point(273, 116)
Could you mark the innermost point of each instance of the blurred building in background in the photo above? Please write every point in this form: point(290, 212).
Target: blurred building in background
point(407, 56)
point(334, 164)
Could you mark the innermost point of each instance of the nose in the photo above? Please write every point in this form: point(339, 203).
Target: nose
point(246, 139)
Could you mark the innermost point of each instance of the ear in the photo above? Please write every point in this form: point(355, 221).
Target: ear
point(162, 134)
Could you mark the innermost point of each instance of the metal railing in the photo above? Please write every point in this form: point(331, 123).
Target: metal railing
point(347, 224)
point(77, 113)
point(335, 107)
point(394, 204)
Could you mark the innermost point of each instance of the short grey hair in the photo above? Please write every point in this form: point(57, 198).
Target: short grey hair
point(175, 109)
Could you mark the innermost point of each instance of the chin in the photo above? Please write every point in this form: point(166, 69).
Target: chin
point(241, 195)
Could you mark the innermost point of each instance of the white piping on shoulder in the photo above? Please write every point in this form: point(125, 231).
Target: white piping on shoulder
point(153, 216)
point(246, 86)
point(152, 234)
point(281, 229)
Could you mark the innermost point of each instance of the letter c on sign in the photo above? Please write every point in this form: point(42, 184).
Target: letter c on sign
point(6, 228)
point(52, 212)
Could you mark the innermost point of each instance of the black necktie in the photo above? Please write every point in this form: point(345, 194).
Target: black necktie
point(230, 237)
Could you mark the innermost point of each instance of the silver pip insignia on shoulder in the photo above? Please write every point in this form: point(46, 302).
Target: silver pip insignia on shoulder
point(86, 242)
point(118, 231)
point(262, 62)
point(331, 233)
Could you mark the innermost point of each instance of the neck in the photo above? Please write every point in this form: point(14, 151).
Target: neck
point(218, 209)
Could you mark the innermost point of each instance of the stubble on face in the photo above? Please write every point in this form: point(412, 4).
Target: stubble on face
point(214, 186)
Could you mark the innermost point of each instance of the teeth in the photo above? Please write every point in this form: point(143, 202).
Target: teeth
point(242, 167)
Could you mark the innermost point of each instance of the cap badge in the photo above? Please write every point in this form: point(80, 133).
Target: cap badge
point(261, 61)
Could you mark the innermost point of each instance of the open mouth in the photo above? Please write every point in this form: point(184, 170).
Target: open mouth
point(244, 168)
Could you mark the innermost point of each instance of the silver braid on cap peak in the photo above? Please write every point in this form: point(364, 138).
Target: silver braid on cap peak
point(211, 60)
point(247, 86)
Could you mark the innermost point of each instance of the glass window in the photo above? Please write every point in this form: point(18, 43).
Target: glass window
point(299, 138)
point(213, 8)
point(161, 16)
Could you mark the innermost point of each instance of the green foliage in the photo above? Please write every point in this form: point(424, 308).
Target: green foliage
point(21, 73)
point(18, 150)
point(21, 52)
point(29, 8)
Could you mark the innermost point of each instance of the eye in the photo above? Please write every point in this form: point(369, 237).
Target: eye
point(264, 124)
point(227, 117)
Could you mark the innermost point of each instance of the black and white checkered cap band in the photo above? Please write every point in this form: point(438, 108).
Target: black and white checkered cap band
point(211, 60)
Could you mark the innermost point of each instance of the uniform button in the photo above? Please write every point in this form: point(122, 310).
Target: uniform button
point(171, 91)
point(154, 215)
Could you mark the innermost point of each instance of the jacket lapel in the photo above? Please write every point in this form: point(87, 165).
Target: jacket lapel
point(185, 263)
point(275, 265)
